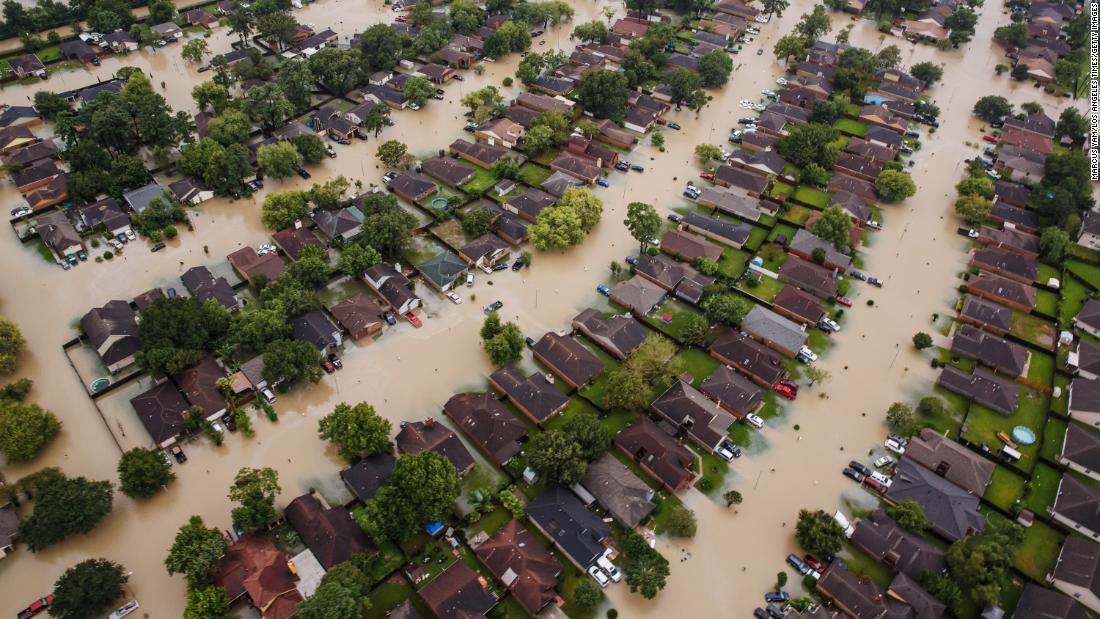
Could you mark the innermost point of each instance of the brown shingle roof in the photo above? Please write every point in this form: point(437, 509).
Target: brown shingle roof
point(533, 394)
point(703, 420)
point(430, 435)
point(882, 538)
point(253, 566)
point(517, 559)
point(619, 335)
point(950, 460)
point(458, 593)
point(199, 384)
point(628, 499)
point(665, 458)
point(488, 423)
point(330, 534)
point(573, 362)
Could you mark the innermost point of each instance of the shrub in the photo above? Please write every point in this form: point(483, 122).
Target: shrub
point(108, 255)
point(170, 232)
point(507, 82)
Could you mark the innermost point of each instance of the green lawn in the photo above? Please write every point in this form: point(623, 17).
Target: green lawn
point(1042, 488)
point(1074, 294)
point(983, 424)
point(733, 262)
point(532, 174)
point(1006, 488)
point(950, 422)
point(1053, 436)
point(1084, 253)
point(814, 197)
point(864, 564)
point(595, 391)
point(783, 229)
point(1033, 330)
point(390, 595)
point(508, 608)
point(779, 188)
point(1060, 404)
point(765, 290)
point(713, 471)
point(697, 363)
point(756, 238)
point(490, 522)
point(571, 576)
point(483, 179)
point(679, 312)
point(1090, 274)
point(1038, 553)
point(1046, 303)
point(852, 127)
point(795, 214)
point(1046, 272)
point(1040, 368)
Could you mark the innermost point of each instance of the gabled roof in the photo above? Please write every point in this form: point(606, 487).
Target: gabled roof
point(620, 335)
point(292, 240)
point(1003, 211)
point(1010, 238)
point(569, 524)
point(314, 327)
point(951, 511)
point(526, 567)
point(412, 185)
point(485, 246)
point(662, 455)
point(252, 565)
point(1079, 502)
point(487, 423)
point(1082, 447)
point(809, 276)
point(330, 534)
point(202, 284)
point(430, 435)
point(1088, 357)
point(806, 242)
point(447, 169)
point(983, 387)
point(628, 499)
point(990, 350)
point(443, 268)
point(753, 357)
point(638, 294)
point(1079, 564)
point(568, 358)
point(1084, 395)
point(763, 323)
point(950, 460)
point(531, 202)
point(737, 177)
point(199, 383)
point(1042, 603)
point(559, 182)
point(689, 246)
point(161, 410)
point(112, 330)
point(702, 419)
point(1007, 262)
point(249, 264)
point(985, 312)
point(734, 202)
point(458, 593)
point(357, 313)
point(1089, 315)
point(668, 272)
point(882, 538)
point(533, 394)
point(734, 232)
point(365, 477)
point(733, 391)
point(802, 304)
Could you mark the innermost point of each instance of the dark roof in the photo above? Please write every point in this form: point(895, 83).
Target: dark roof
point(737, 177)
point(458, 593)
point(202, 284)
point(620, 335)
point(430, 435)
point(112, 330)
point(1011, 192)
point(662, 455)
point(987, 313)
point(731, 390)
point(314, 327)
point(669, 272)
point(1042, 603)
point(249, 263)
point(31, 153)
point(28, 63)
point(330, 534)
point(105, 212)
point(526, 567)
point(908, 553)
point(448, 169)
point(161, 410)
point(1088, 357)
point(1010, 238)
point(147, 298)
point(486, 154)
point(809, 276)
point(1084, 396)
point(983, 387)
point(199, 384)
point(559, 182)
point(735, 232)
point(292, 240)
point(694, 413)
point(638, 294)
point(1089, 315)
point(365, 477)
point(806, 242)
point(9, 525)
point(1078, 502)
point(950, 460)
point(533, 394)
point(990, 350)
point(628, 499)
point(799, 303)
point(1002, 211)
point(412, 184)
point(488, 423)
point(1008, 262)
point(568, 358)
point(750, 355)
point(569, 524)
point(443, 268)
point(357, 313)
point(531, 202)
point(485, 246)
point(1079, 564)
point(951, 511)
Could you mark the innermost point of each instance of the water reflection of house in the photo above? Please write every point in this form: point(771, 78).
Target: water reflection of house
point(429, 435)
point(254, 569)
point(112, 331)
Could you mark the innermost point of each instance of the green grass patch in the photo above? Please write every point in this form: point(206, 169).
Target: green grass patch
point(765, 289)
point(1073, 297)
point(1054, 434)
point(712, 471)
point(571, 577)
point(780, 188)
point(1084, 253)
point(864, 564)
point(1033, 330)
point(389, 595)
point(1042, 488)
point(1005, 490)
point(756, 238)
point(784, 229)
point(44, 251)
point(595, 392)
point(1060, 404)
point(795, 214)
point(983, 424)
point(852, 127)
point(533, 175)
point(733, 262)
point(1038, 553)
point(1045, 272)
point(1089, 273)
point(661, 514)
point(1046, 303)
point(481, 182)
point(508, 608)
point(814, 197)
point(679, 313)
point(771, 407)
point(1040, 368)
point(697, 363)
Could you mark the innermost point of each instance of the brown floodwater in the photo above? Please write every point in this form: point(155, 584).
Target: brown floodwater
point(409, 373)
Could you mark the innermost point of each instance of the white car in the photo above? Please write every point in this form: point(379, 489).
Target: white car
point(414, 107)
point(882, 479)
point(218, 427)
point(597, 574)
point(125, 609)
point(895, 446)
point(130, 234)
point(844, 523)
point(754, 420)
point(781, 81)
point(972, 233)
point(606, 565)
point(469, 279)
point(828, 325)
point(806, 355)
point(767, 93)
point(762, 19)
point(883, 462)
point(993, 175)
point(454, 298)
point(759, 107)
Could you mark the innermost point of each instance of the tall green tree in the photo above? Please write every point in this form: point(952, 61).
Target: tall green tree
point(337, 69)
point(207, 603)
point(645, 569)
point(254, 490)
point(357, 431)
point(909, 514)
point(88, 589)
point(64, 507)
point(143, 472)
point(422, 489)
point(25, 429)
point(604, 93)
point(195, 552)
point(175, 333)
point(834, 226)
point(818, 533)
point(643, 222)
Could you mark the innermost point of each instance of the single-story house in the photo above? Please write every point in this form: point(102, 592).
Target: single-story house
point(429, 435)
point(255, 269)
point(488, 424)
point(732, 391)
point(412, 186)
point(444, 270)
point(316, 328)
point(332, 535)
point(199, 384)
point(689, 247)
point(291, 241)
point(950, 460)
point(749, 357)
point(364, 478)
point(619, 335)
point(783, 335)
point(809, 276)
point(951, 511)
point(574, 363)
point(799, 306)
point(522, 564)
point(360, 315)
point(996, 353)
point(898, 549)
point(1077, 507)
point(657, 453)
point(639, 294)
point(983, 387)
point(697, 416)
point(447, 170)
point(202, 285)
point(393, 287)
point(534, 395)
point(577, 532)
point(991, 317)
point(627, 498)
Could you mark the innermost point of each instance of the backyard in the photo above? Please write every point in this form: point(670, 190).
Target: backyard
point(983, 425)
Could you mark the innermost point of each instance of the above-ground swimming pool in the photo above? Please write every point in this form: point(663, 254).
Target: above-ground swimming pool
point(440, 203)
point(1023, 435)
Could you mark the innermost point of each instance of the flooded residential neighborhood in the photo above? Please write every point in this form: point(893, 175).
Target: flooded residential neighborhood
point(413, 366)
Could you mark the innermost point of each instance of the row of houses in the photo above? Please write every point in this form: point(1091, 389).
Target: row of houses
point(1046, 39)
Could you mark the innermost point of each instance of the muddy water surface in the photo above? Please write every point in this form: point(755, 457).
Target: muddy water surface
point(409, 373)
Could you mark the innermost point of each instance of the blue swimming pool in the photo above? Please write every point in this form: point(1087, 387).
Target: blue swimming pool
point(1023, 435)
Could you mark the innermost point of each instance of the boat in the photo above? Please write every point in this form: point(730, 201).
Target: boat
point(125, 609)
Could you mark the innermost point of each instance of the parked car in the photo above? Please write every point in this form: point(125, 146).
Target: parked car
point(268, 394)
point(636, 167)
point(125, 609)
point(632, 260)
point(776, 596)
point(20, 211)
point(760, 613)
point(895, 446)
point(853, 474)
point(530, 341)
point(302, 172)
point(690, 192)
point(674, 126)
point(411, 317)
point(500, 267)
point(728, 451)
point(912, 134)
point(518, 264)
point(906, 149)
point(470, 127)
point(798, 564)
point(327, 365)
point(218, 427)
point(602, 182)
point(607, 566)
point(775, 612)
point(335, 360)
point(874, 484)
point(230, 422)
point(845, 301)
point(390, 319)
point(707, 176)
point(603, 289)
point(993, 174)
point(828, 325)
point(469, 279)
point(597, 574)
point(454, 298)
point(997, 124)
point(389, 176)
point(760, 52)
point(880, 478)
point(157, 247)
point(860, 467)
point(990, 138)
point(785, 391)
point(806, 355)
point(177, 453)
point(36, 607)
point(746, 120)
point(857, 275)
point(884, 462)
point(754, 420)
point(494, 306)
point(874, 281)
point(622, 166)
